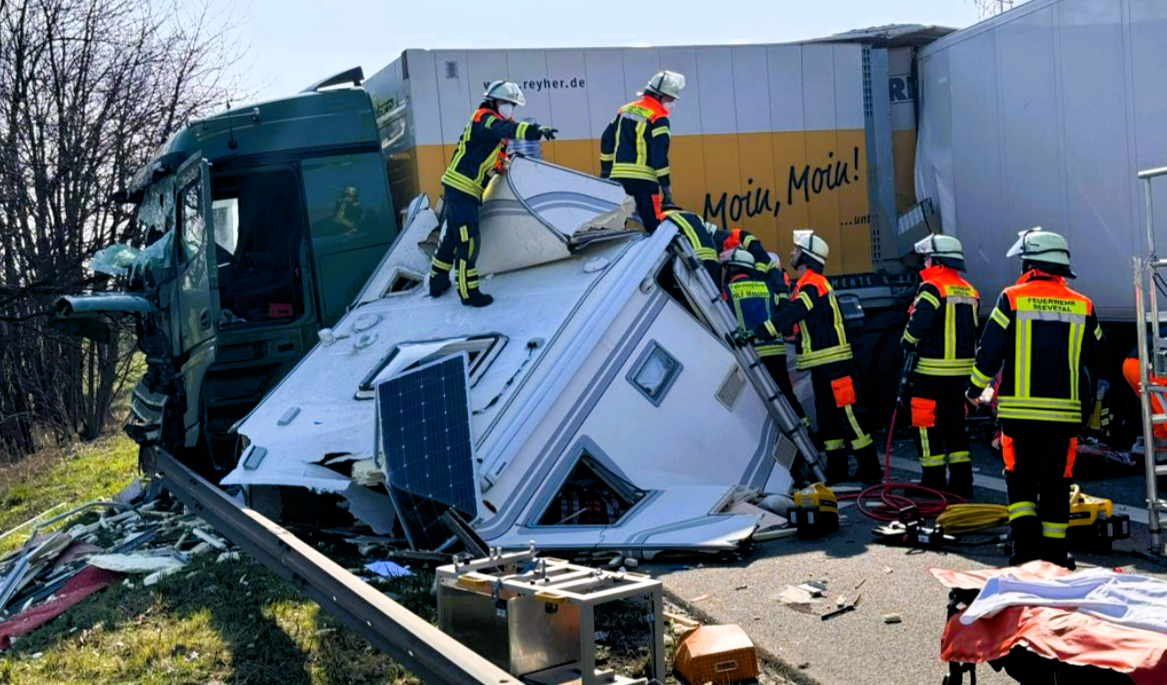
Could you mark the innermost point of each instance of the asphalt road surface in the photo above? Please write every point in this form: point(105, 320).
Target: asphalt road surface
point(859, 648)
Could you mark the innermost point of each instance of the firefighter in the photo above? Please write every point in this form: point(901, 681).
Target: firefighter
point(634, 149)
point(478, 156)
point(699, 235)
point(942, 330)
point(775, 358)
point(1045, 340)
point(813, 313)
point(727, 241)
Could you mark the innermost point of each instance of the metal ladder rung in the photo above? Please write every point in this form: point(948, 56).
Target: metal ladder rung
point(1161, 469)
point(1158, 419)
point(1161, 389)
point(1160, 506)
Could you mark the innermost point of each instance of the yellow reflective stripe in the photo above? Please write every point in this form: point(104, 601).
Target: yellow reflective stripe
point(488, 122)
point(834, 445)
point(958, 457)
point(706, 254)
point(749, 240)
point(1020, 509)
point(979, 379)
point(840, 331)
point(627, 170)
point(999, 317)
point(487, 164)
point(661, 131)
point(641, 144)
point(861, 439)
point(926, 449)
point(772, 350)
point(805, 298)
point(928, 297)
point(908, 337)
point(1074, 356)
point(808, 360)
point(1053, 529)
point(1038, 415)
point(608, 158)
point(945, 367)
point(460, 150)
point(1097, 332)
point(466, 185)
point(662, 172)
point(1022, 355)
point(771, 329)
point(949, 330)
point(762, 267)
point(1053, 403)
point(521, 131)
point(440, 265)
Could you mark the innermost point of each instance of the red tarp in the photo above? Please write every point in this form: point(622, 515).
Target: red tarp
point(88, 581)
point(1066, 636)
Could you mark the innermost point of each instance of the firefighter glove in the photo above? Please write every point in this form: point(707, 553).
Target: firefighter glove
point(741, 337)
point(547, 132)
point(973, 395)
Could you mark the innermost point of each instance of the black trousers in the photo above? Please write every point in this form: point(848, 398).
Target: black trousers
point(838, 426)
point(776, 365)
point(646, 194)
point(458, 250)
point(1039, 463)
point(938, 419)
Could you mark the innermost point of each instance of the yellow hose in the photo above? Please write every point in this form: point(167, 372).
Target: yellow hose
point(959, 519)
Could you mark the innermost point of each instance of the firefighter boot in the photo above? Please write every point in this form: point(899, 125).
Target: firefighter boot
point(960, 479)
point(478, 299)
point(439, 282)
point(933, 477)
point(1055, 551)
point(1026, 535)
point(869, 471)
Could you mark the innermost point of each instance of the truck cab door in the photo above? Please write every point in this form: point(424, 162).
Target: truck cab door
point(195, 310)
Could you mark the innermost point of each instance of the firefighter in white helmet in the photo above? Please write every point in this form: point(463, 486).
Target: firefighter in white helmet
point(942, 330)
point(1045, 340)
point(634, 149)
point(813, 314)
point(478, 156)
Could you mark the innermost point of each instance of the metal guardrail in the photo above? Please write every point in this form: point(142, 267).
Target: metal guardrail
point(426, 651)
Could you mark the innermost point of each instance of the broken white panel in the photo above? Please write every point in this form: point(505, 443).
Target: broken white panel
point(134, 563)
point(372, 508)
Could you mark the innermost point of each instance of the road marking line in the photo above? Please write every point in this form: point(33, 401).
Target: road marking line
point(1136, 514)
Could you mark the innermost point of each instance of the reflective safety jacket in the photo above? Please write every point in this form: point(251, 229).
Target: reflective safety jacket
point(636, 143)
point(943, 323)
point(753, 303)
point(1045, 340)
point(480, 150)
point(812, 312)
point(738, 237)
point(692, 227)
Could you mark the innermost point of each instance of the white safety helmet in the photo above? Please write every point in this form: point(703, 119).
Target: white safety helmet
point(668, 83)
point(739, 257)
point(1042, 247)
point(775, 262)
point(812, 246)
point(943, 246)
point(506, 91)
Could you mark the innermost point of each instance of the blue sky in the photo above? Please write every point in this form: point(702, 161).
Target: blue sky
point(294, 43)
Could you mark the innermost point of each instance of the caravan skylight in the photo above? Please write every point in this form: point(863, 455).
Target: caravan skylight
point(654, 373)
point(482, 350)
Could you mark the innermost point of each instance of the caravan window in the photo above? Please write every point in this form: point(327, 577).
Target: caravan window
point(591, 496)
point(482, 350)
point(654, 373)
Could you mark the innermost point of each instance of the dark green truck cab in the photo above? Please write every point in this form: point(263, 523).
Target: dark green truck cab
point(264, 222)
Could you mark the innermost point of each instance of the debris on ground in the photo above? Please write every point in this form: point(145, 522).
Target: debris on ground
point(105, 542)
point(388, 569)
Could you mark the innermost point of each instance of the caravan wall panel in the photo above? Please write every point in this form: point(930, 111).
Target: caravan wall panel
point(769, 137)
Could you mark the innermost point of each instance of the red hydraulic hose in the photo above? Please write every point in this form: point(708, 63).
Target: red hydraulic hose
point(882, 503)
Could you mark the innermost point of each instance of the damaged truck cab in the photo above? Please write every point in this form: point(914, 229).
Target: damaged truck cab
point(262, 224)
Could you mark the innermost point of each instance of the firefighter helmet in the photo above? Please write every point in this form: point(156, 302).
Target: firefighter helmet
point(812, 246)
point(775, 262)
point(505, 91)
point(943, 246)
point(667, 83)
point(1043, 248)
point(739, 257)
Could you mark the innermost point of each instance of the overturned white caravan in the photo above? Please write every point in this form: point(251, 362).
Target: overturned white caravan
point(602, 406)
